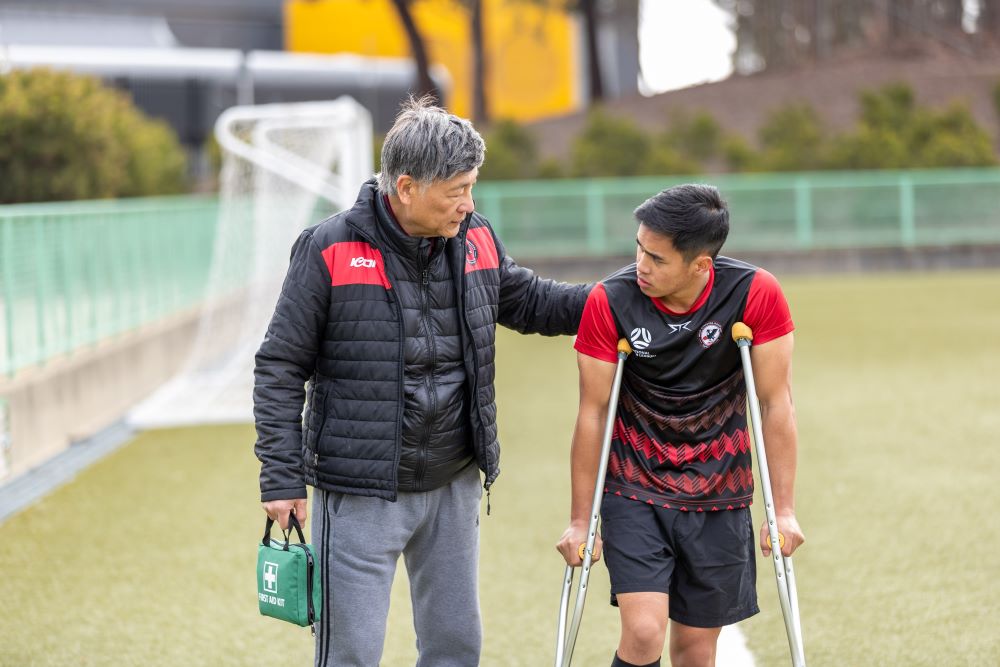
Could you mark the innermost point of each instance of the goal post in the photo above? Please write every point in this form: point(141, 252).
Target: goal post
point(285, 167)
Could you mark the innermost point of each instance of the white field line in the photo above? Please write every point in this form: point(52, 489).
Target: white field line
point(733, 651)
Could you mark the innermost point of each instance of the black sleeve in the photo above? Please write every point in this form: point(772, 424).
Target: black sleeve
point(285, 361)
point(530, 304)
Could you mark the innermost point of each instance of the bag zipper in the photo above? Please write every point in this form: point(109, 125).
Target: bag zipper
point(309, 582)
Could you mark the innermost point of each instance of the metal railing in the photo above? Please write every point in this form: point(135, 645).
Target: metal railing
point(73, 274)
point(796, 211)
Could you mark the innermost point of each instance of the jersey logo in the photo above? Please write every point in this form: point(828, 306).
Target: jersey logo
point(683, 326)
point(471, 252)
point(640, 338)
point(709, 334)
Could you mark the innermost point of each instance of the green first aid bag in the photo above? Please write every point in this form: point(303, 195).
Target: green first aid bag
point(288, 581)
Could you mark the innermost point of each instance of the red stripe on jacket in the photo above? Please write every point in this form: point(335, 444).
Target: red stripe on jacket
point(355, 263)
point(480, 250)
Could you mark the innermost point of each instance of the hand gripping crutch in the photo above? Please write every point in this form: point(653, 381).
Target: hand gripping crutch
point(565, 643)
point(783, 571)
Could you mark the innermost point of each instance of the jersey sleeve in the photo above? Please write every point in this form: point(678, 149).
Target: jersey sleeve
point(598, 335)
point(767, 312)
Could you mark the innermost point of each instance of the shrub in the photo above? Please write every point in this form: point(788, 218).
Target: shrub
point(895, 133)
point(698, 137)
point(793, 138)
point(609, 146)
point(511, 152)
point(64, 136)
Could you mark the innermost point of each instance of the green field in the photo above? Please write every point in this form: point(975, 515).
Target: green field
point(147, 558)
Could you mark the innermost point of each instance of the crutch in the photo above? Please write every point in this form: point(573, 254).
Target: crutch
point(783, 572)
point(565, 643)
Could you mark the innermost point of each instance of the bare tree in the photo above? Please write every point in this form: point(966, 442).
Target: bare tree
point(425, 84)
point(989, 18)
point(588, 11)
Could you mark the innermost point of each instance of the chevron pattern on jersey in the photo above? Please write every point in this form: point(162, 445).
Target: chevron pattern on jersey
point(736, 481)
point(716, 414)
point(683, 454)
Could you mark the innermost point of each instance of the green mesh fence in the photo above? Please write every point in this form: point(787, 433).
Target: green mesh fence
point(801, 211)
point(73, 274)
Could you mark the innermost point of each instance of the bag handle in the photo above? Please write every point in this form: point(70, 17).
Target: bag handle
point(293, 522)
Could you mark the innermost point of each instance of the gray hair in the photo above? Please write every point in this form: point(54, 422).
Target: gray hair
point(428, 144)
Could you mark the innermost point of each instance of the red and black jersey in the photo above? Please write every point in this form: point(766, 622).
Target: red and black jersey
point(680, 439)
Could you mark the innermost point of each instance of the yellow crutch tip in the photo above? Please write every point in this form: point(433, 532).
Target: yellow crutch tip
point(624, 347)
point(742, 332)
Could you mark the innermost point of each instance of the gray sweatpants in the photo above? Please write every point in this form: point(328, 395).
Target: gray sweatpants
point(358, 541)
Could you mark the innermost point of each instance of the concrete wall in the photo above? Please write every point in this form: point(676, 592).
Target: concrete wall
point(68, 399)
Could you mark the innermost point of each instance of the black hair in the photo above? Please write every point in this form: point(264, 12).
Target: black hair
point(693, 216)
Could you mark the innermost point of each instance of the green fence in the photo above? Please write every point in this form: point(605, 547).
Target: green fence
point(800, 211)
point(74, 274)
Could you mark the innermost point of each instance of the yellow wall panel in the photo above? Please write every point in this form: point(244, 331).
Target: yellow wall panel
point(532, 69)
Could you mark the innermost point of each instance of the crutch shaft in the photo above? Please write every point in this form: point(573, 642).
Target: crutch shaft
point(784, 574)
point(566, 641)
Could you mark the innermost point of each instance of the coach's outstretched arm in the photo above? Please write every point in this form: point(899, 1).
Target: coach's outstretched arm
point(596, 378)
point(531, 304)
point(772, 367)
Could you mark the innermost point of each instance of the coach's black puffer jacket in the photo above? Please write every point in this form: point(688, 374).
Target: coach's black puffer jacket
point(339, 323)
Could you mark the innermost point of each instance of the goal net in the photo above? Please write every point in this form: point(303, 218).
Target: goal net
point(285, 167)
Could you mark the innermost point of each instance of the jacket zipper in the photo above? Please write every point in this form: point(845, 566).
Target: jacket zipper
point(421, 467)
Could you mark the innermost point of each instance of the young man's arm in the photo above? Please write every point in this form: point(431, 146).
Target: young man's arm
point(772, 367)
point(596, 378)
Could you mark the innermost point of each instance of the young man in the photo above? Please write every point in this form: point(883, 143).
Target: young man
point(389, 310)
point(675, 516)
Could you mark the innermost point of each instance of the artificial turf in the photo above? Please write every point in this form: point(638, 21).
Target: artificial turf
point(147, 558)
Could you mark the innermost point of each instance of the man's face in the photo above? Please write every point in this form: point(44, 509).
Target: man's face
point(662, 271)
point(439, 208)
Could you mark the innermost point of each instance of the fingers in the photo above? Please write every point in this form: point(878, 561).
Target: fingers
point(279, 510)
point(765, 541)
point(790, 537)
point(573, 549)
point(301, 511)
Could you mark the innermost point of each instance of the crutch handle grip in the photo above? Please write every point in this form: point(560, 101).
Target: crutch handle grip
point(582, 551)
point(742, 332)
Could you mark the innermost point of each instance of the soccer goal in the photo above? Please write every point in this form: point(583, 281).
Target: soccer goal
point(285, 167)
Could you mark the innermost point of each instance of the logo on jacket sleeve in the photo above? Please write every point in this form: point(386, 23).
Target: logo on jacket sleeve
point(480, 250)
point(355, 263)
point(709, 334)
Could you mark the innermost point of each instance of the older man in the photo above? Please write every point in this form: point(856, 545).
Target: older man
point(389, 311)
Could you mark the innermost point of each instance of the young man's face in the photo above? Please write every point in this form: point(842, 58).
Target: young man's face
point(439, 208)
point(662, 270)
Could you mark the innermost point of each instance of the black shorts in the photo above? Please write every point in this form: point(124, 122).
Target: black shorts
point(705, 561)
